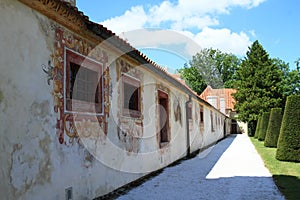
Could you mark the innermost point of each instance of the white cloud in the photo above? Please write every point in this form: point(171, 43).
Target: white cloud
point(195, 22)
point(194, 19)
point(184, 14)
point(180, 43)
point(132, 19)
point(224, 39)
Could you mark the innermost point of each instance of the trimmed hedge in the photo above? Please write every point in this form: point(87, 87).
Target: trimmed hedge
point(263, 126)
point(288, 146)
point(273, 128)
point(257, 128)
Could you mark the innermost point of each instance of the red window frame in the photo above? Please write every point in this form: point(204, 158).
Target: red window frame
point(129, 84)
point(164, 136)
point(88, 66)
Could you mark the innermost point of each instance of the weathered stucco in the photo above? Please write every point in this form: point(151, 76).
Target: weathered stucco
point(26, 120)
point(45, 150)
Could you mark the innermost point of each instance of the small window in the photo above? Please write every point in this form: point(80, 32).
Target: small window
point(201, 115)
point(83, 84)
point(163, 117)
point(131, 97)
point(212, 121)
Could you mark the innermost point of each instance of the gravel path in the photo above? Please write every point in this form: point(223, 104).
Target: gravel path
point(230, 170)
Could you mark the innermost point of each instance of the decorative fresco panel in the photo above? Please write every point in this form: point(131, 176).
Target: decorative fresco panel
point(65, 120)
point(130, 130)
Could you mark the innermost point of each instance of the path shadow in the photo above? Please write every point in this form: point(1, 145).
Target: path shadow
point(187, 180)
point(207, 163)
point(289, 186)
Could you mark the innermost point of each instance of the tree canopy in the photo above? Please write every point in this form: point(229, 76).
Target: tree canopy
point(262, 82)
point(210, 67)
point(258, 84)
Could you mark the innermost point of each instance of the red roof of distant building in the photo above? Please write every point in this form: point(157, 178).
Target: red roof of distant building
point(225, 93)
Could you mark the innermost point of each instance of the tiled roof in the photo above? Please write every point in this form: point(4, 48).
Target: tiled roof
point(225, 93)
point(106, 33)
point(69, 16)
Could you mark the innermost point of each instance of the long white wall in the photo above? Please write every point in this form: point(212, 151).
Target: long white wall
point(35, 165)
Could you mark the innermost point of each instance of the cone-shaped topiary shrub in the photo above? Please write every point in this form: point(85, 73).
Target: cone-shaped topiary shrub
point(288, 146)
point(257, 128)
point(263, 126)
point(273, 128)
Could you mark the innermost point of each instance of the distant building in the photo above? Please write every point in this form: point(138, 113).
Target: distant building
point(220, 98)
point(223, 100)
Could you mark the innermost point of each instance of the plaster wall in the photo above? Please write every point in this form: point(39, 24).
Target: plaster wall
point(38, 158)
point(34, 164)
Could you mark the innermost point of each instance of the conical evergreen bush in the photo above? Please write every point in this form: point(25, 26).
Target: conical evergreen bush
point(288, 146)
point(257, 128)
point(263, 126)
point(273, 128)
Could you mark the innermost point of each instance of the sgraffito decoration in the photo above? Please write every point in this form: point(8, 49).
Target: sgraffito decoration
point(177, 111)
point(130, 130)
point(86, 125)
point(49, 71)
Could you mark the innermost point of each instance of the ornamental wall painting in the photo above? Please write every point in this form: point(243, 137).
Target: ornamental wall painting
point(71, 126)
point(130, 129)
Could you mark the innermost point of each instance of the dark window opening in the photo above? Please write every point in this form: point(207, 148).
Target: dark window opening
point(163, 101)
point(212, 121)
point(86, 81)
point(83, 84)
point(131, 97)
point(201, 115)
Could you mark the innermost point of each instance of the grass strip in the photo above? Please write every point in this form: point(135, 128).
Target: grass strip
point(286, 175)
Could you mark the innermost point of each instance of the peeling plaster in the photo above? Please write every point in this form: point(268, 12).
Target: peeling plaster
point(40, 110)
point(29, 166)
point(88, 159)
point(45, 165)
point(5, 3)
point(47, 27)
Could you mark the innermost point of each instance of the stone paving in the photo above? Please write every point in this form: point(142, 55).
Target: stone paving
point(231, 169)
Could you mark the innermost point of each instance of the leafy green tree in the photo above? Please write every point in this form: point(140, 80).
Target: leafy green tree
point(258, 85)
point(297, 63)
point(227, 65)
point(210, 67)
point(290, 84)
point(193, 78)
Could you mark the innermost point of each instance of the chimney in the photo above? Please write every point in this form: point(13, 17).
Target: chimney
point(72, 2)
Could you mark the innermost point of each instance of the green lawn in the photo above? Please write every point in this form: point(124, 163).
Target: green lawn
point(286, 174)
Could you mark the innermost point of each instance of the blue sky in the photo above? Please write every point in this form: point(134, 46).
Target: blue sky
point(229, 25)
